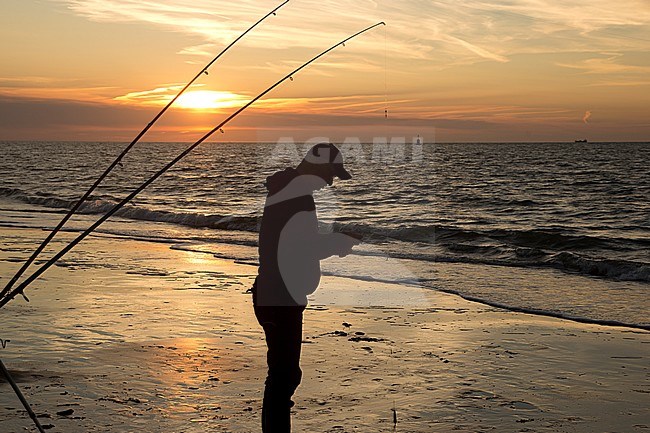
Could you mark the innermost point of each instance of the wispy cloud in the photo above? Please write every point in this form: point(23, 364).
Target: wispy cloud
point(203, 50)
point(578, 14)
point(626, 83)
point(29, 81)
point(82, 94)
point(204, 18)
point(193, 98)
point(478, 50)
point(447, 31)
point(373, 106)
point(606, 65)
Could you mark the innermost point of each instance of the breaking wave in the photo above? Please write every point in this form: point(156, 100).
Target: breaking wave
point(573, 253)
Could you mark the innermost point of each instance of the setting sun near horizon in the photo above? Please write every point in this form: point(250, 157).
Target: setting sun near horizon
point(207, 99)
point(190, 99)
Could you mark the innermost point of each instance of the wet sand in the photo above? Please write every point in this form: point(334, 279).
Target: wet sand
point(125, 335)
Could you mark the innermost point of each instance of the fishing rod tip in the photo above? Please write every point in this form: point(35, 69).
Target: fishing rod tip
point(382, 23)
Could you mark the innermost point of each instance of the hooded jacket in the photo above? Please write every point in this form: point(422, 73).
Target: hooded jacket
point(290, 246)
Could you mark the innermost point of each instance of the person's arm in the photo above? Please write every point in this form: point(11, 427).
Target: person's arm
point(303, 230)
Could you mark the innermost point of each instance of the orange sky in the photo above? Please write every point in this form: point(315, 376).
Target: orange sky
point(525, 70)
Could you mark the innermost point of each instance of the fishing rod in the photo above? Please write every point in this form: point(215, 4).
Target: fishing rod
point(21, 397)
point(118, 206)
point(117, 160)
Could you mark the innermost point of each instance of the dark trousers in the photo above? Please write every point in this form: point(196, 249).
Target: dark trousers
point(283, 330)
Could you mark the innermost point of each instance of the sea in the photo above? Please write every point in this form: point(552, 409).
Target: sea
point(557, 229)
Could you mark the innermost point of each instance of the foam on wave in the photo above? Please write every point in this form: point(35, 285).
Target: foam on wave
point(523, 248)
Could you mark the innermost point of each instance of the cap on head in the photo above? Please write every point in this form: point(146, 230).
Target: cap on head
point(327, 153)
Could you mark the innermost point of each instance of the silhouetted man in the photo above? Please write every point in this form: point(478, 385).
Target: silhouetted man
point(290, 249)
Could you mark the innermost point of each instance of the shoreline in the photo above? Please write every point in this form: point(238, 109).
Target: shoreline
point(230, 245)
point(543, 313)
point(132, 334)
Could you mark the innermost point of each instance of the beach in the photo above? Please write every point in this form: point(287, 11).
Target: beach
point(459, 189)
point(130, 335)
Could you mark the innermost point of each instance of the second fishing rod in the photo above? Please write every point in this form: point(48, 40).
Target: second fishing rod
point(117, 160)
point(118, 206)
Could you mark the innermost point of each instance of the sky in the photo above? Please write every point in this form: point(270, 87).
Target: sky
point(449, 71)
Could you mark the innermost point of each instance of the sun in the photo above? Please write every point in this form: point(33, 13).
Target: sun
point(209, 99)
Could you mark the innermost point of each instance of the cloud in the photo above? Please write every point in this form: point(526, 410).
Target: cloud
point(586, 117)
point(40, 87)
point(71, 93)
point(602, 43)
point(206, 19)
point(28, 80)
point(608, 65)
point(203, 50)
point(206, 100)
point(478, 50)
point(443, 32)
point(24, 118)
point(39, 115)
point(626, 83)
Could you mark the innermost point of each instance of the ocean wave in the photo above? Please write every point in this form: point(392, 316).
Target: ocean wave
point(617, 269)
point(546, 238)
point(620, 270)
point(500, 247)
point(556, 239)
point(52, 202)
point(141, 213)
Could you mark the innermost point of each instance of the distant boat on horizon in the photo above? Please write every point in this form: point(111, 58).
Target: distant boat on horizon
point(584, 140)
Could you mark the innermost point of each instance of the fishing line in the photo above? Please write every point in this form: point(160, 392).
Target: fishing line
point(118, 206)
point(386, 72)
point(117, 160)
point(388, 139)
